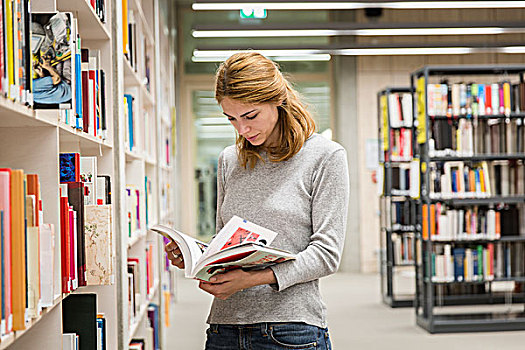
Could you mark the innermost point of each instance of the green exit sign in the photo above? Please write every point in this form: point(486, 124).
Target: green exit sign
point(253, 13)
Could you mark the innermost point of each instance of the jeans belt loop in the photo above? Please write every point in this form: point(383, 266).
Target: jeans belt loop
point(264, 329)
point(215, 328)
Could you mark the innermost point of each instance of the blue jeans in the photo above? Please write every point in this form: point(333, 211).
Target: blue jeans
point(267, 336)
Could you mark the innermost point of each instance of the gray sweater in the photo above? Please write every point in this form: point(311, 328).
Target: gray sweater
point(304, 200)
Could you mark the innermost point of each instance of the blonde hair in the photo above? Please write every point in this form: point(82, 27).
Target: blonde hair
point(251, 78)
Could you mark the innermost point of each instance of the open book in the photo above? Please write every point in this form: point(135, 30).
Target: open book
point(240, 244)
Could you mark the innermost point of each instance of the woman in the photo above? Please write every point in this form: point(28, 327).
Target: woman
point(283, 176)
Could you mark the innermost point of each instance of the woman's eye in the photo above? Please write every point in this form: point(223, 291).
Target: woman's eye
point(231, 119)
point(252, 117)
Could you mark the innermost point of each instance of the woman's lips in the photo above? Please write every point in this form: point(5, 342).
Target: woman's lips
point(251, 139)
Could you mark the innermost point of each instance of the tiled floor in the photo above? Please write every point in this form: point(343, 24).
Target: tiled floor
point(356, 318)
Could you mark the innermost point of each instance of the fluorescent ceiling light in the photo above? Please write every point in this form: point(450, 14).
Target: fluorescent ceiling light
point(354, 5)
point(512, 49)
point(406, 51)
point(219, 56)
point(294, 55)
point(227, 53)
point(359, 32)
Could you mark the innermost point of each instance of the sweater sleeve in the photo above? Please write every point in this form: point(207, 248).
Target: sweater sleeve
point(330, 195)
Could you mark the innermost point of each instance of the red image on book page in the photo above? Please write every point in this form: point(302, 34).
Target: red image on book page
point(253, 237)
point(237, 238)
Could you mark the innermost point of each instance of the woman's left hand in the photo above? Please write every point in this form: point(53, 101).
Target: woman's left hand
point(224, 285)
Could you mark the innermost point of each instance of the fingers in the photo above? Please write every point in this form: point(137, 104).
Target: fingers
point(216, 290)
point(171, 246)
point(174, 254)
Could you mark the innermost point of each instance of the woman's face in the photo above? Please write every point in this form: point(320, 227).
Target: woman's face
point(255, 122)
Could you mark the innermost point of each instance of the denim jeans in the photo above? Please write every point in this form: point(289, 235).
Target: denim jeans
point(267, 336)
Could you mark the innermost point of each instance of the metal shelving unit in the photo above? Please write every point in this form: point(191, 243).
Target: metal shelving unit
point(431, 294)
point(389, 266)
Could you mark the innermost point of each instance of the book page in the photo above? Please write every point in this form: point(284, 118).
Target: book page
point(237, 232)
point(191, 248)
point(246, 256)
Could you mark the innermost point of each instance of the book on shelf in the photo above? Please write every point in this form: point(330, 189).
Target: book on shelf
point(98, 245)
point(472, 223)
point(403, 249)
point(478, 263)
point(76, 199)
point(27, 254)
point(150, 275)
point(86, 233)
point(454, 179)
point(47, 264)
point(239, 244)
point(137, 344)
point(400, 110)
point(154, 322)
point(468, 137)
point(88, 175)
point(134, 279)
point(401, 213)
point(129, 118)
point(70, 341)
point(134, 209)
point(53, 66)
point(101, 332)
point(100, 9)
point(103, 189)
point(69, 167)
point(18, 249)
point(15, 44)
point(79, 315)
point(65, 76)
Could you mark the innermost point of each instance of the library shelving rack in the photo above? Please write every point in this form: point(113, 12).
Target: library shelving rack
point(469, 142)
point(135, 50)
point(397, 209)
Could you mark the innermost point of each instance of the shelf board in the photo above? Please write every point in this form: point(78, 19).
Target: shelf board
point(398, 302)
point(89, 25)
point(147, 30)
point(473, 322)
point(476, 69)
point(166, 167)
point(166, 121)
point(136, 237)
point(396, 159)
point(9, 339)
point(148, 99)
point(396, 228)
point(131, 78)
point(479, 299)
point(150, 161)
point(69, 134)
point(480, 240)
point(399, 193)
point(401, 127)
point(479, 157)
point(143, 308)
point(481, 201)
point(132, 155)
point(509, 279)
point(14, 114)
point(490, 116)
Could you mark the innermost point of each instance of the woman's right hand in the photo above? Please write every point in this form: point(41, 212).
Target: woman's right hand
point(174, 254)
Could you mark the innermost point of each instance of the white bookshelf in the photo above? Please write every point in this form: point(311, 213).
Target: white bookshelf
point(32, 140)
